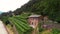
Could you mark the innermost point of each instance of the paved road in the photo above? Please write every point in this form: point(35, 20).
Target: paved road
point(2, 28)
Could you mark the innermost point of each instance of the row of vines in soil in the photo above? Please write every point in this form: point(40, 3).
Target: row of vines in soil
point(21, 24)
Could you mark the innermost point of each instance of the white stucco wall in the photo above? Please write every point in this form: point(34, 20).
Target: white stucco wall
point(2, 28)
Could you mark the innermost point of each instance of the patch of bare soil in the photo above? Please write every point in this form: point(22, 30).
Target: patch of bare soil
point(10, 30)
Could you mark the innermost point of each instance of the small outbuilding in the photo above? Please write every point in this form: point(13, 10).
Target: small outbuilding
point(34, 20)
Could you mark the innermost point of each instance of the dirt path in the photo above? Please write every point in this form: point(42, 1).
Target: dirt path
point(2, 28)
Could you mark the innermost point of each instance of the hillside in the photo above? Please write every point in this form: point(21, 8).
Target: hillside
point(18, 17)
point(51, 8)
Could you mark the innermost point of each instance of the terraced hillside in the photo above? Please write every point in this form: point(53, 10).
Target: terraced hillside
point(21, 24)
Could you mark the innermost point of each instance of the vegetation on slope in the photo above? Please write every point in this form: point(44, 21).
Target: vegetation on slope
point(51, 8)
point(51, 31)
point(21, 24)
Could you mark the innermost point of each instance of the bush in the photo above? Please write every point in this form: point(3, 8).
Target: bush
point(55, 31)
point(41, 29)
